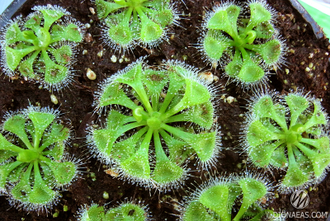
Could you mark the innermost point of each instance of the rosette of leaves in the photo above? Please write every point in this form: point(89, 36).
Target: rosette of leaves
point(247, 46)
point(217, 199)
point(125, 211)
point(158, 119)
point(33, 165)
point(130, 22)
point(289, 133)
point(41, 47)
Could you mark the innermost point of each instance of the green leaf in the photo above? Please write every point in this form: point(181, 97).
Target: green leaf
point(221, 21)
point(138, 164)
point(26, 66)
point(93, 213)
point(216, 199)
point(22, 189)
point(103, 8)
point(214, 46)
point(262, 154)
point(233, 13)
point(195, 94)
point(13, 34)
point(127, 212)
point(63, 172)
point(126, 148)
point(318, 118)
point(40, 122)
point(150, 31)
point(41, 194)
point(155, 81)
point(56, 152)
point(294, 177)
point(201, 114)
point(252, 191)
point(113, 94)
point(196, 211)
point(163, 17)
point(58, 134)
point(50, 16)
point(321, 144)
point(121, 33)
point(297, 105)
point(62, 55)
point(166, 171)
point(270, 51)
point(264, 30)
point(204, 145)
point(71, 32)
point(54, 73)
point(259, 14)
point(7, 146)
point(34, 22)
point(234, 67)
point(258, 134)
point(278, 158)
point(250, 72)
point(5, 171)
point(178, 149)
point(15, 56)
point(16, 125)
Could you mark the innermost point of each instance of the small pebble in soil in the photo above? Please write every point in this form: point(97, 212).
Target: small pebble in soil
point(92, 10)
point(100, 54)
point(105, 195)
point(307, 69)
point(53, 99)
point(90, 74)
point(311, 55)
point(85, 52)
point(207, 76)
point(113, 58)
point(65, 208)
point(88, 38)
point(230, 99)
point(87, 25)
point(287, 71)
point(111, 172)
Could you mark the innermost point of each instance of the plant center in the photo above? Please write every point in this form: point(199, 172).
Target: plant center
point(154, 121)
point(28, 156)
point(292, 137)
point(43, 39)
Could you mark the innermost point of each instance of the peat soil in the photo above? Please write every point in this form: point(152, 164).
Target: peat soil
point(75, 102)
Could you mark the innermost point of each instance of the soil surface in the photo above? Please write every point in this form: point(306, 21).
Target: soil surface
point(75, 103)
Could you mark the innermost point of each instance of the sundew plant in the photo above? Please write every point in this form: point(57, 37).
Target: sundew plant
point(243, 40)
point(33, 163)
point(131, 22)
point(41, 47)
point(289, 133)
point(125, 211)
point(158, 119)
point(217, 199)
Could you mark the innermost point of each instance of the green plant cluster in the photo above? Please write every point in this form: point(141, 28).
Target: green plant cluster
point(216, 200)
point(289, 133)
point(170, 108)
point(128, 211)
point(247, 46)
point(131, 22)
point(42, 46)
point(33, 162)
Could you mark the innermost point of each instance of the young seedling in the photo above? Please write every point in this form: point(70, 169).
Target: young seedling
point(131, 22)
point(125, 211)
point(216, 199)
point(289, 133)
point(169, 110)
point(41, 47)
point(33, 163)
point(246, 46)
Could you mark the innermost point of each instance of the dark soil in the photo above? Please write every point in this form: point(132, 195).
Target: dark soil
point(76, 104)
